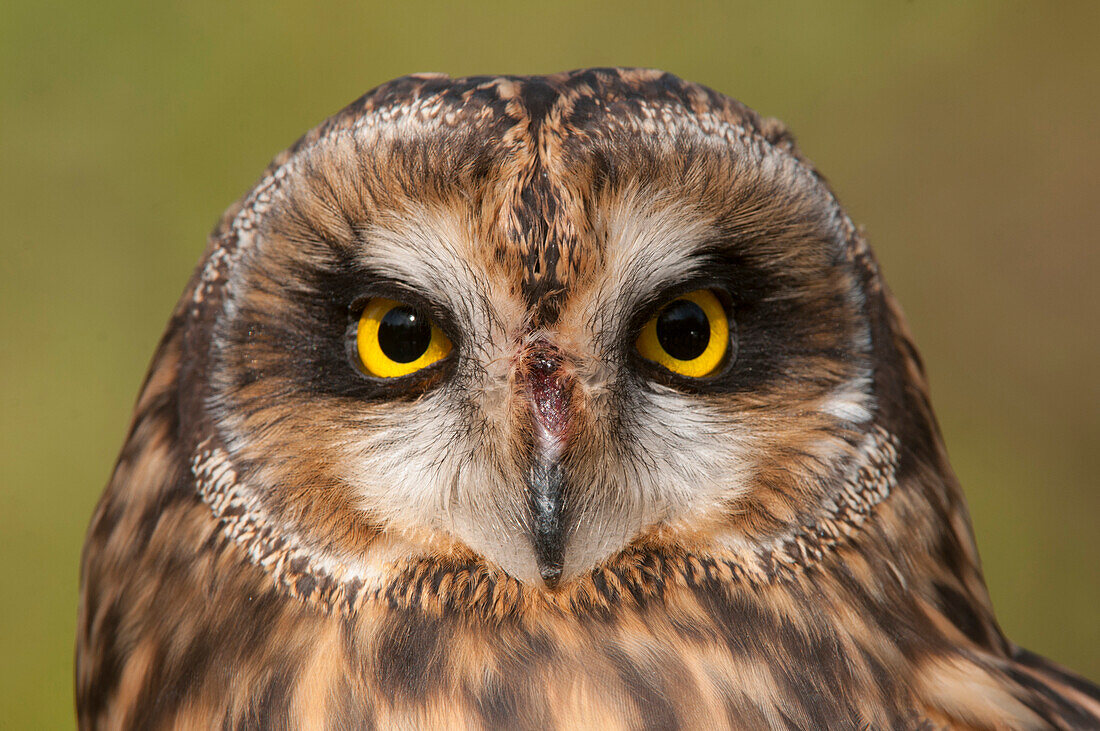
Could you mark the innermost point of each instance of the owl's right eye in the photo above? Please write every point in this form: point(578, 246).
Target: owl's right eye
point(395, 339)
point(689, 336)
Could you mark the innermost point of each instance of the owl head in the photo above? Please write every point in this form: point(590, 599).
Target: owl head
point(531, 324)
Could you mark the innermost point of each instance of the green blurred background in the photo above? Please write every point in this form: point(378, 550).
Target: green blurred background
point(964, 136)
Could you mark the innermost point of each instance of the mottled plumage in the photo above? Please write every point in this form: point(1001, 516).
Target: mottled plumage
point(543, 529)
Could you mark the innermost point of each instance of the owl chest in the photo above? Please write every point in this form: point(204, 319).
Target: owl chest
point(658, 667)
point(689, 658)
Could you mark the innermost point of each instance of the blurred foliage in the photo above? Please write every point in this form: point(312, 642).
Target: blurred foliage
point(962, 135)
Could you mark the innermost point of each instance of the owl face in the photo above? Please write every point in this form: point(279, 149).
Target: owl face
point(532, 322)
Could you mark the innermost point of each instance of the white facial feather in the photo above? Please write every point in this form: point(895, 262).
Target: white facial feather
point(453, 459)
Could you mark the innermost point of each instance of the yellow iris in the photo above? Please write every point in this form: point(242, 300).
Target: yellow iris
point(395, 339)
point(689, 336)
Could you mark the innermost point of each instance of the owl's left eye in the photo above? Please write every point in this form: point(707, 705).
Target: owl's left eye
point(689, 336)
point(395, 339)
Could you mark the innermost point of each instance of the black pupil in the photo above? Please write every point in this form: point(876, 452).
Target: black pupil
point(683, 330)
point(404, 334)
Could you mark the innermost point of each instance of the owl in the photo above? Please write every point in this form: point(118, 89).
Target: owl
point(569, 401)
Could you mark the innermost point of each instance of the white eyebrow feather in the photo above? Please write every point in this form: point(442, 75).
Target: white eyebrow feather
point(432, 253)
point(652, 242)
point(649, 241)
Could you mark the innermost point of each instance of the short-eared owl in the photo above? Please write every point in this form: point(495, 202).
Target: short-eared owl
point(543, 402)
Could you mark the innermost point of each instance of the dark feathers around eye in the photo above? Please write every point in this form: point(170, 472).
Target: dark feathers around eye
point(308, 348)
point(783, 328)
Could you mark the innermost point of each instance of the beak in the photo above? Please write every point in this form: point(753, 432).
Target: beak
point(549, 389)
point(545, 481)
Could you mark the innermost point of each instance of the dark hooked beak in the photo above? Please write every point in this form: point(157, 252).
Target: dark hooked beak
point(549, 389)
point(545, 482)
